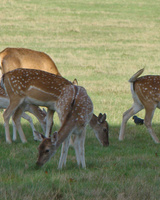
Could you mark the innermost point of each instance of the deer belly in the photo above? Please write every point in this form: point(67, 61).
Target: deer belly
point(39, 93)
point(38, 102)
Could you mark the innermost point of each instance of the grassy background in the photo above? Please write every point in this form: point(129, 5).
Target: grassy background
point(101, 43)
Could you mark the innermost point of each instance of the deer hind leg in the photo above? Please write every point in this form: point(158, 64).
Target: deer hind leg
point(6, 115)
point(64, 152)
point(148, 121)
point(79, 148)
point(16, 118)
point(126, 115)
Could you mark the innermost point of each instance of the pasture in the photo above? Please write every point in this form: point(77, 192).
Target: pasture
point(102, 44)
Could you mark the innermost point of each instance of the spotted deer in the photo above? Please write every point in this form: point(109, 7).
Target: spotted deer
point(36, 111)
point(48, 146)
point(146, 95)
point(13, 58)
point(71, 102)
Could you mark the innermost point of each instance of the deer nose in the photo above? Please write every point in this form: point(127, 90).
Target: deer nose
point(105, 144)
point(39, 164)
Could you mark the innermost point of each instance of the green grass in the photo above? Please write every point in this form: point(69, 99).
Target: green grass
point(102, 44)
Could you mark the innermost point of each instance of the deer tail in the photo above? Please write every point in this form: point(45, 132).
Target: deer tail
point(136, 75)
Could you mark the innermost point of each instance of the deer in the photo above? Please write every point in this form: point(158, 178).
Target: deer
point(36, 111)
point(146, 95)
point(71, 102)
point(13, 58)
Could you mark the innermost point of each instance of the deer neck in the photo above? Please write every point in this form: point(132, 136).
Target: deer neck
point(93, 121)
point(68, 123)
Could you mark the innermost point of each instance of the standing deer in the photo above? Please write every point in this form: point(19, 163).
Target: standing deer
point(12, 58)
point(146, 95)
point(36, 111)
point(48, 146)
point(73, 105)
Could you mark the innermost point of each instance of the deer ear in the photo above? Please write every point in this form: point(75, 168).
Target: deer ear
point(101, 118)
point(54, 138)
point(75, 82)
point(39, 135)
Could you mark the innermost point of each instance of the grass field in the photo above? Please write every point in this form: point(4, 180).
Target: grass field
point(102, 44)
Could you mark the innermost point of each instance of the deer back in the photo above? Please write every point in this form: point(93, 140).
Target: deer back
point(148, 88)
point(74, 102)
point(13, 58)
point(35, 84)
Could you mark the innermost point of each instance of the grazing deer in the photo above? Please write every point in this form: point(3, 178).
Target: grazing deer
point(73, 105)
point(41, 115)
point(100, 128)
point(13, 58)
point(48, 146)
point(146, 95)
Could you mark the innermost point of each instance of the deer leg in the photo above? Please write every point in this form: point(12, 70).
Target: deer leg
point(64, 152)
point(148, 122)
point(126, 115)
point(76, 147)
point(49, 122)
point(36, 111)
point(16, 118)
point(14, 131)
point(6, 115)
point(81, 147)
point(29, 119)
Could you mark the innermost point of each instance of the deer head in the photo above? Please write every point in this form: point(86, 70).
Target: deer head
point(47, 148)
point(100, 128)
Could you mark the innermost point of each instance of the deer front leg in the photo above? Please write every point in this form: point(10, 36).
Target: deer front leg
point(29, 119)
point(79, 142)
point(128, 114)
point(81, 148)
point(49, 122)
point(39, 114)
point(75, 144)
point(64, 153)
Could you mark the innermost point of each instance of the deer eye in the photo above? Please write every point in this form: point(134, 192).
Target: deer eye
point(105, 130)
point(47, 151)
